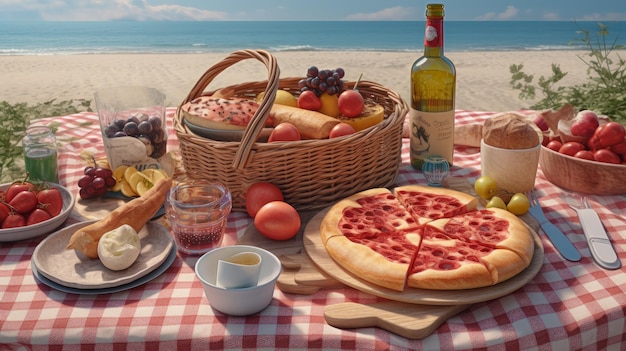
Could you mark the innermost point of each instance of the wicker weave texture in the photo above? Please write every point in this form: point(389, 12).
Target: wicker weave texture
point(311, 173)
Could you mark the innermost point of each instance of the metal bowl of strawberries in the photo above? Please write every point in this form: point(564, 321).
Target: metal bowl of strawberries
point(28, 210)
point(587, 155)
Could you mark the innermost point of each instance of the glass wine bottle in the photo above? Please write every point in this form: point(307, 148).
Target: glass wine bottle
point(433, 84)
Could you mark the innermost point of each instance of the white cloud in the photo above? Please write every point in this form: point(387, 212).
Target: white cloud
point(100, 10)
point(510, 13)
point(610, 16)
point(388, 14)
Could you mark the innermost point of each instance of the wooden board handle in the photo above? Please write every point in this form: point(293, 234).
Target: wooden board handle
point(409, 320)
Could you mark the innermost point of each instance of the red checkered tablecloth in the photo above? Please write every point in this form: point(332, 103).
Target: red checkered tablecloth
point(567, 306)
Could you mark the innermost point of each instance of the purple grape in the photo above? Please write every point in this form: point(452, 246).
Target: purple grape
point(312, 71)
point(156, 122)
point(144, 127)
point(131, 128)
point(84, 181)
point(98, 183)
point(120, 123)
point(340, 72)
point(110, 130)
point(119, 134)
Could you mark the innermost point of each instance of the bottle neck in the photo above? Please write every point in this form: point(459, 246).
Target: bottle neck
point(433, 37)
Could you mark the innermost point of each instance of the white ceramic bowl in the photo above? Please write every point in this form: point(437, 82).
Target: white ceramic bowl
point(238, 302)
point(34, 230)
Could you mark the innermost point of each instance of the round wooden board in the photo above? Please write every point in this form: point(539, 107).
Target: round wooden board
point(318, 254)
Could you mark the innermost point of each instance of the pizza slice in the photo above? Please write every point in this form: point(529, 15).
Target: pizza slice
point(491, 227)
point(382, 259)
point(369, 212)
point(430, 203)
point(444, 263)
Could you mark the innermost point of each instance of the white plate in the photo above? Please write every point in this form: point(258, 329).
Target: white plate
point(135, 283)
point(71, 269)
point(34, 230)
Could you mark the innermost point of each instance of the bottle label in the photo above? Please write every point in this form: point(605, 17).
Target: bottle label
point(432, 134)
point(433, 36)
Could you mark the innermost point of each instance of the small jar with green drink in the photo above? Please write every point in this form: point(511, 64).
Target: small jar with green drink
point(40, 154)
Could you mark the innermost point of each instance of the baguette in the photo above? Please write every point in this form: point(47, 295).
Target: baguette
point(135, 213)
point(310, 124)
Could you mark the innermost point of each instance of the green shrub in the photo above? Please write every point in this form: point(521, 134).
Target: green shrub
point(604, 91)
point(14, 119)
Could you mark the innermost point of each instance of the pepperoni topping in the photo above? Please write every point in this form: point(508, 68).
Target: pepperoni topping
point(432, 206)
point(480, 226)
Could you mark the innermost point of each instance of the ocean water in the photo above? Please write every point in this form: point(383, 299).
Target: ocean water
point(54, 38)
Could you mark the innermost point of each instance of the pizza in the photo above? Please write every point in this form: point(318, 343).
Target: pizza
point(220, 113)
point(425, 237)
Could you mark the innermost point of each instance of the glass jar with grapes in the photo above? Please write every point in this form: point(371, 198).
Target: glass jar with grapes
point(133, 125)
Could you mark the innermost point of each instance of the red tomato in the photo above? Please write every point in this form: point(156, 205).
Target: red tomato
point(258, 194)
point(37, 216)
point(607, 156)
point(584, 154)
point(571, 148)
point(14, 220)
point(4, 212)
point(51, 201)
point(16, 188)
point(619, 148)
point(277, 220)
point(351, 103)
point(607, 135)
point(284, 132)
point(309, 101)
point(24, 202)
point(341, 129)
point(554, 145)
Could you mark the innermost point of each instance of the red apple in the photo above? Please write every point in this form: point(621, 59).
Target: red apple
point(584, 124)
point(541, 123)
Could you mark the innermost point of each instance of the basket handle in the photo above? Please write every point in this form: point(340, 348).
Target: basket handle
point(258, 120)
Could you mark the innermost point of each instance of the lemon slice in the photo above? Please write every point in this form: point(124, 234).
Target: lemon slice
point(118, 173)
point(127, 190)
point(128, 172)
point(144, 186)
point(372, 114)
point(135, 179)
point(118, 185)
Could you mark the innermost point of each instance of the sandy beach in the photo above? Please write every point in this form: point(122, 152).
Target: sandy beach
point(482, 77)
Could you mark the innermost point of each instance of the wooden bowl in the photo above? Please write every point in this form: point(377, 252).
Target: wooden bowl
point(584, 176)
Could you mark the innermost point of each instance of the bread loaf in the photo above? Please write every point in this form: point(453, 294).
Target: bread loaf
point(135, 213)
point(511, 131)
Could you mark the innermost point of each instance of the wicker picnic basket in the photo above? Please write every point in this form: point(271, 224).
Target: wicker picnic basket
point(311, 173)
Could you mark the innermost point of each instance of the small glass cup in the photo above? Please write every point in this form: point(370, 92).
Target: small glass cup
point(436, 169)
point(40, 154)
point(198, 213)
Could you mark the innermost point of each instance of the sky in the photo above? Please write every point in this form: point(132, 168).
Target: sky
point(302, 10)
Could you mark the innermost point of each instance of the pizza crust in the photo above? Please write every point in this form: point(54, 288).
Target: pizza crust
point(367, 264)
point(468, 276)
